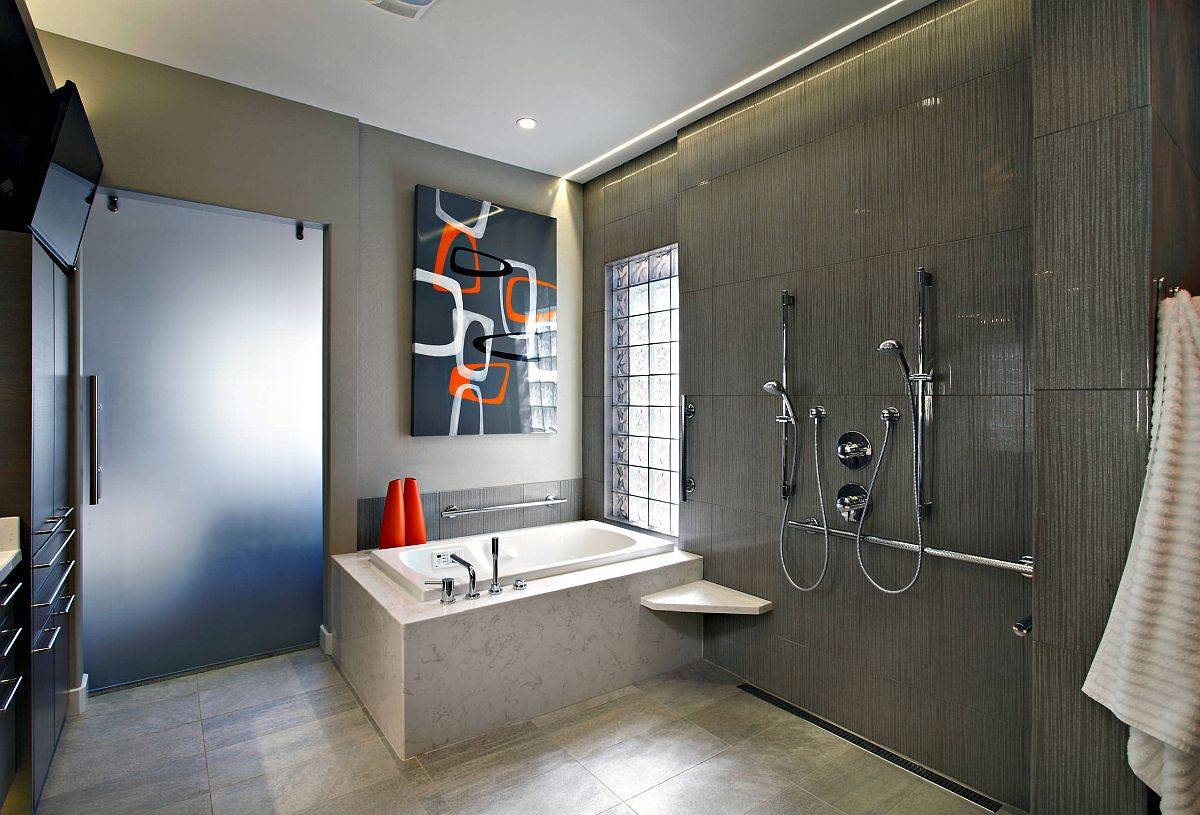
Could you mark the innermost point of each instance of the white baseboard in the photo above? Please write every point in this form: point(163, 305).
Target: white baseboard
point(327, 637)
point(77, 698)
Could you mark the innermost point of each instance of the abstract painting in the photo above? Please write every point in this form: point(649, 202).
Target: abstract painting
point(485, 311)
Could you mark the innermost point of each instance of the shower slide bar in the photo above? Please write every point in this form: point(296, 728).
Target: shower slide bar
point(453, 511)
point(1024, 566)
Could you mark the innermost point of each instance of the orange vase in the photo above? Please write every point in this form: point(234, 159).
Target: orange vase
point(414, 517)
point(392, 531)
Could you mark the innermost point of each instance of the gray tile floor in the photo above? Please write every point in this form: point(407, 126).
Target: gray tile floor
point(287, 735)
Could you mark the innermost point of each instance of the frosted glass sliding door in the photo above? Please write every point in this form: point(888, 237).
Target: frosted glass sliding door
point(203, 328)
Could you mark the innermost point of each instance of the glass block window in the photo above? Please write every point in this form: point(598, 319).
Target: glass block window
point(643, 366)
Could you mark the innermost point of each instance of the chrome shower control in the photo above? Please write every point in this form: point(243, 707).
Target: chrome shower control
point(852, 502)
point(519, 583)
point(854, 450)
point(889, 414)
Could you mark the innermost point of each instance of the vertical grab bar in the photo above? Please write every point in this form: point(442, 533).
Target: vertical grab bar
point(94, 437)
point(687, 484)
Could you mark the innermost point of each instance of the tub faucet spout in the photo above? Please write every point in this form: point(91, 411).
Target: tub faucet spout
point(471, 593)
point(495, 587)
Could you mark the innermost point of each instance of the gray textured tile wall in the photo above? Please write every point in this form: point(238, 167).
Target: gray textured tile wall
point(912, 147)
point(370, 510)
point(923, 145)
point(1116, 87)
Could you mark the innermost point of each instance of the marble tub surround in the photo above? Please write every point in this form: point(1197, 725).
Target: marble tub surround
point(433, 674)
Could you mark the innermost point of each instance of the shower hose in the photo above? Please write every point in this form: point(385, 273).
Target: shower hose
point(889, 416)
point(787, 508)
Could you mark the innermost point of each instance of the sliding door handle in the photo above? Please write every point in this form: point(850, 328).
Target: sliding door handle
point(94, 436)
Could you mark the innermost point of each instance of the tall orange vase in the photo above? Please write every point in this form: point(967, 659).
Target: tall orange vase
point(392, 531)
point(414, 516)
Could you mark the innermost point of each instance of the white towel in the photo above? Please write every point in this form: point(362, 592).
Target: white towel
point(1147, 668)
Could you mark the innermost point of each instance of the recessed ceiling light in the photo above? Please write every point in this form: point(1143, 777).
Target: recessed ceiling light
point(410, 9)
point(526, 123)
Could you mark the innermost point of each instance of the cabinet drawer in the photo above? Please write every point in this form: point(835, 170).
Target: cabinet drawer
point(49, 586)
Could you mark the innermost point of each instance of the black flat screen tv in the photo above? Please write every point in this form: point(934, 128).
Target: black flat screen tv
point(63, 173)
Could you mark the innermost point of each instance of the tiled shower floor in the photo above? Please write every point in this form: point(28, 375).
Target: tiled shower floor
point(286, 735)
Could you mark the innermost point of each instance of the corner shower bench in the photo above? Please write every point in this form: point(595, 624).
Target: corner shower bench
point(704, 597)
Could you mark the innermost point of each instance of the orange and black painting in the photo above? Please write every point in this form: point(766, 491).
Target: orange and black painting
point(485, 318)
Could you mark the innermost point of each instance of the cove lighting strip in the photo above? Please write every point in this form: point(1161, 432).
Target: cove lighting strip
point(736, 86)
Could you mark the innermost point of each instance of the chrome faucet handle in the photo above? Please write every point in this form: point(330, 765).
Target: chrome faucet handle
point(447, 584)
point(466, 564)
point(889, 414)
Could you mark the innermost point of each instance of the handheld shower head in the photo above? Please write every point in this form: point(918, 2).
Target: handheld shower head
point(896, 347)
point(775, 389)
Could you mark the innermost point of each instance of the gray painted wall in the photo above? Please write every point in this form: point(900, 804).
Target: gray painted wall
point(911, 147)
point(391, 167)
point(169, 132)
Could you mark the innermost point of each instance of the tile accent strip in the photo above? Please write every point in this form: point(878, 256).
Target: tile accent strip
point(370, 510)
point(873, 748)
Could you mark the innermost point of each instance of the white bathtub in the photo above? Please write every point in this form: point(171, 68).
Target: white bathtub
point(540, 551)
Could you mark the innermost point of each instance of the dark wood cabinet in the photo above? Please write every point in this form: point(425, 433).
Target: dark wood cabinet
point(36, 379)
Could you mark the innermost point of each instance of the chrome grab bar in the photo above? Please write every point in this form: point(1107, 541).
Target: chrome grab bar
point(4, 603)
point(56, 594)
point(16, 633)
point(1024, 566)
point(453, 511)
point(53, 639)
point(687, 484)
point(54, 559)
point(16, 683)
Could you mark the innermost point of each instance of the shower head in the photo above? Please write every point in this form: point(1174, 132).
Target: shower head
point(775, 389)
point(896, 347)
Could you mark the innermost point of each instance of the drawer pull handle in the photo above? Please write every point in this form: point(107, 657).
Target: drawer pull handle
point(11, 594)
point(54, 560)
point(15, 636)
point(53, 639)
point(57, 589)
point(12, 694)
point(70, 598)
point(59, 520)
point(60, 514)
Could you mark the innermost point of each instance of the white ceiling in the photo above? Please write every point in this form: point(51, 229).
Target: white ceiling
point(594, 74)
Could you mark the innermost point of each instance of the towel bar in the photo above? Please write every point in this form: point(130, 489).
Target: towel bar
point(453, 511)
